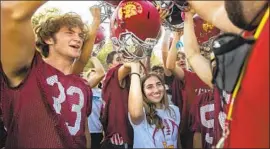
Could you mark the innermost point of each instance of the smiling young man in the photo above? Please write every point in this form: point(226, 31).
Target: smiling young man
point(43, 104)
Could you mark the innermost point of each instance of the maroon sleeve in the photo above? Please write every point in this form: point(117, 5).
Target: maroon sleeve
point(111, 80)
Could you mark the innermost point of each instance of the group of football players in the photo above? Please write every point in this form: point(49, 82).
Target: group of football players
point(212, 90)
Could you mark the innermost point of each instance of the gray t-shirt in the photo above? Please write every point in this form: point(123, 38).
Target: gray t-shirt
point(147, 136)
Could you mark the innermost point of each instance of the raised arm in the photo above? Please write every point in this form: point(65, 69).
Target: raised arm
point(197, 140)
point(123, 71)
point(135, 98)
point(17, 38)
point(214, 12)
point(87, 134)
point(172, 56)
point(147, 63)
point(89, 43)
point(199, 64)
point(164, 51)
point(99, 73)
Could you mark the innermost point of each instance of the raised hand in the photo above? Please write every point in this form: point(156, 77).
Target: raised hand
point(134, 66)
point(95, 11)
point(163, 13)
point(189, 13)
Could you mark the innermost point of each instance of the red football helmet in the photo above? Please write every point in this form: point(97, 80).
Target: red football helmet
point(135, 26)
point(204, 31)
point(100, 40)
point(100, 36)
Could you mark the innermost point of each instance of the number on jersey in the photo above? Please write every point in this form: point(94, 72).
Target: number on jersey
point(58, 101)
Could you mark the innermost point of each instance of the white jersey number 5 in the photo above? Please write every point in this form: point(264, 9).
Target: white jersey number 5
point(207, 123)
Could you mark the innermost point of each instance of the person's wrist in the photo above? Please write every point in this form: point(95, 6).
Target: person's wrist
point(135, 69)
point(136, 74)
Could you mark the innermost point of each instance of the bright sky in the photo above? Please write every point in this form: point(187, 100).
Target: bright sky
point(82, 8)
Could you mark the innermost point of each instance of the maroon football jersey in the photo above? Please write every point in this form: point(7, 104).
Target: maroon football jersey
point(208, 116)
point(114, 114)
point(204, 117)
point(192, 87)
point(47, 110)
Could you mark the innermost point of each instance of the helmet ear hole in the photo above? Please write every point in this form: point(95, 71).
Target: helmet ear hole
point(148, 15)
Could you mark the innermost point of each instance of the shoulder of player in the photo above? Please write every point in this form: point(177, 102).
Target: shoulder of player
point(189, 72)
point(112, 73)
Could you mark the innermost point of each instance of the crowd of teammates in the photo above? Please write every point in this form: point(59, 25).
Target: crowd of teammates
point(55, 92)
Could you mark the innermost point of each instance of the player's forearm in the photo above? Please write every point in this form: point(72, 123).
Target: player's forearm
point(17, 38)
point(98, 66)
point(191, 46)
point(135, 100)
point(172, 56)
point(88, 140)
point(123, 72)
point(86, 51)
point(89, 44)
point(164, 51)
point(165, 46)
point(148, 63)
point(199, 64)
point(22, 10)
point(197, 140)
point(95, 79)
point(87, 134)
point(202, 67)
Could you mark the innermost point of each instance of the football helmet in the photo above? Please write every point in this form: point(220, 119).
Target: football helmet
point(135, 27)
point(113, 3)
point(106, 10)
point(204, 31)
point(174, 20)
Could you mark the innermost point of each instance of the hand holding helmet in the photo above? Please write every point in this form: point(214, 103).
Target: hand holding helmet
point(135, 26)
